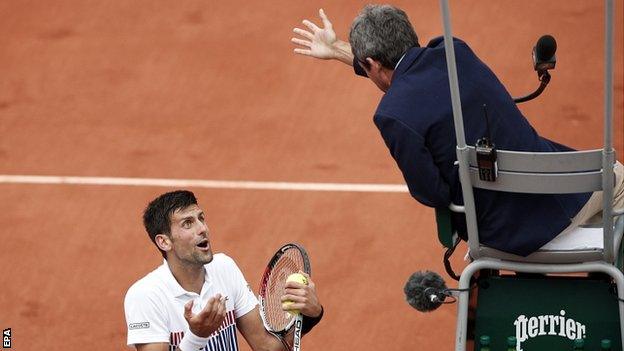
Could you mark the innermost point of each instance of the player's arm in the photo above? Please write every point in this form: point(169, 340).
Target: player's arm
point(322, 43)
point(303, 298)
point(251, 327)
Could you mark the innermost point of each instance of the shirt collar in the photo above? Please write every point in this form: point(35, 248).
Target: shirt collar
point(172, 284)
point(399, 62)
point(407, 60)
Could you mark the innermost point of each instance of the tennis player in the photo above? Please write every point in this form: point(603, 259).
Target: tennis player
point(197, 300)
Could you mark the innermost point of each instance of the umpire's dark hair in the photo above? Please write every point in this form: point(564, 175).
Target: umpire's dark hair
point(157, 214)
point(383, 33)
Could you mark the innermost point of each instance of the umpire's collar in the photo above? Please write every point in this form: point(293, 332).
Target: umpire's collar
point(413, 54)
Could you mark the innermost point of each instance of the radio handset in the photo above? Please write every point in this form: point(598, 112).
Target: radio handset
point(486, 154)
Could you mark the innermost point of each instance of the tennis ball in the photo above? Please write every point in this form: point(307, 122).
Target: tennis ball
point(299, 278)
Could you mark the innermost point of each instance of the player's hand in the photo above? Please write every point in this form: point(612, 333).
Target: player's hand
point(303, 297)
point(317, 42)
point(208, 320)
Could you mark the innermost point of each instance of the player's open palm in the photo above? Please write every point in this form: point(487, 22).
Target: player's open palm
point(317, 42)
point(209, 319)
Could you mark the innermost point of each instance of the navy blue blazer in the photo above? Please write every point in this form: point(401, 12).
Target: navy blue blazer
point(415, 119)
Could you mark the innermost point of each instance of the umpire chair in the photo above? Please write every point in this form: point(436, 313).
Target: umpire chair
point(525, 172)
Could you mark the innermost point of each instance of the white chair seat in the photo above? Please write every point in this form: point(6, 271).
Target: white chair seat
point(583, 244)
point(579, 245)
point(581, 238)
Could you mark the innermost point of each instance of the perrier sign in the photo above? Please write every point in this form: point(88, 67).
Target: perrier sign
point(547, 314)
point(542, 325)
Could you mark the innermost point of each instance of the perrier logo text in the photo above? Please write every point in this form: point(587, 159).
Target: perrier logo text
point(558, 325)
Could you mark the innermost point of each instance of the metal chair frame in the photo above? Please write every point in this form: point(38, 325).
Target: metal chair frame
point(569, 172)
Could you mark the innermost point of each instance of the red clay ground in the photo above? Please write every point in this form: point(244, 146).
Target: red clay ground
point(211, 90)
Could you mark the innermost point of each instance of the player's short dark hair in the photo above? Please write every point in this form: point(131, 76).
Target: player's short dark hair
point(383, 33)
point(157, 214)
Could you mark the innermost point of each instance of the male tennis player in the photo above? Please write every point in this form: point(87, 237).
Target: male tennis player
point(196, 300)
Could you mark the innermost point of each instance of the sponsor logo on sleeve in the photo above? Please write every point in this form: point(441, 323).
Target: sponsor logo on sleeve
point(141, 325)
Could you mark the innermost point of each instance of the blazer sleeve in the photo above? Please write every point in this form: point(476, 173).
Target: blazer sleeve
point(409, 150)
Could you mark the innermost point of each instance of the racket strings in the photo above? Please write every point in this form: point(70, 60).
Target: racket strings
point(290, 262)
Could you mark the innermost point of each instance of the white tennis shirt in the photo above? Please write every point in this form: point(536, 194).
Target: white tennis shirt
point(154, 305)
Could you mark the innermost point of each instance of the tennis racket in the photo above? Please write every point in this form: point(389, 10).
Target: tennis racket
point(290, 258)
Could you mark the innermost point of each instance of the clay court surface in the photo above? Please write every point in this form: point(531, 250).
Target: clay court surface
point(212, 91)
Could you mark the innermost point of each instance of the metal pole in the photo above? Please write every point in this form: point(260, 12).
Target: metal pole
point(608, 156)
point(462, 150)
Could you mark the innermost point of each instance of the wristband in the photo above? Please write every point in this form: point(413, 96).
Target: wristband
point(192, 342)
point(309, 322)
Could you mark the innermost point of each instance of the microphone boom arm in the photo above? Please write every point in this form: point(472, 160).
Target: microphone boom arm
point(544, 78)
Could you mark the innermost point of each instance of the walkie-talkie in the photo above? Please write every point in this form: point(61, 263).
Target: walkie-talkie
point(486, 154)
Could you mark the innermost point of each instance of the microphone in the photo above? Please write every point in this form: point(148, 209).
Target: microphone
point(544, 57)
point(425, 291)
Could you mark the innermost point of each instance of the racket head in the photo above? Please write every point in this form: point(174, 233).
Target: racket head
point(290, 258)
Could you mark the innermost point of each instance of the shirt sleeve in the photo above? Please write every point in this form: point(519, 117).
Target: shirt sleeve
point(409, 150)
point(244, 298)
point(145, 318)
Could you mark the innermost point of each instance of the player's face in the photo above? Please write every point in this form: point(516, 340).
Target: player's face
point(189, 236)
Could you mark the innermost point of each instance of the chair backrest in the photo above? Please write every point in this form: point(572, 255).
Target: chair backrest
point(542, 173)
point(541, 183)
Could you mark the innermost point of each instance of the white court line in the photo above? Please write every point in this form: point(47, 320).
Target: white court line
point(198, 183)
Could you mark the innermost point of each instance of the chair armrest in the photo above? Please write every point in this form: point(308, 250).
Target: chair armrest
point(457, 208)
point(446, 234)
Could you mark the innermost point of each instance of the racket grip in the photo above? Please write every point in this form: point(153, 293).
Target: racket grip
point(297, 334)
